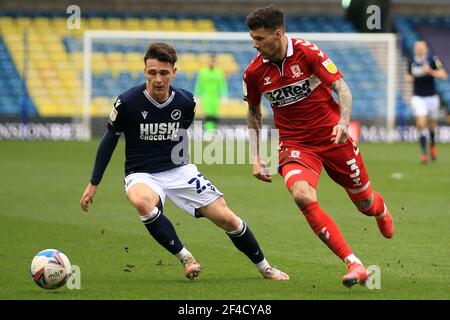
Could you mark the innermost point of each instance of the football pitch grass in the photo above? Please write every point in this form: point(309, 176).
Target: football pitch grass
point(42, 182)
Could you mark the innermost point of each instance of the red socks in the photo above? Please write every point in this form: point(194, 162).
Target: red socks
point(326, 229)
point(377, 206)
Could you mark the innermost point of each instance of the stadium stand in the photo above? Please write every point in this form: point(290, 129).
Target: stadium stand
point(55, 66)
point(54, 81)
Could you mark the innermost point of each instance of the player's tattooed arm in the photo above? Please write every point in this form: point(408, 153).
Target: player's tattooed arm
point(345, 98)
point(254, 122)
point(340, 131)
point(254, 117)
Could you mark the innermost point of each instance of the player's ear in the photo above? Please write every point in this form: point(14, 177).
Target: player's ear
point(174, 71)
point(278, 33)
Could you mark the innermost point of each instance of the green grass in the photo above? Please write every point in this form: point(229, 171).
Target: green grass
point(42, 182)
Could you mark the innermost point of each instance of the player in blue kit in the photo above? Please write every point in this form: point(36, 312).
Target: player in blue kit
point(423, 69)
point(151, 116)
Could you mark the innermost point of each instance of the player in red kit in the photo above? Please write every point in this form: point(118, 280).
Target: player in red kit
point(298, 78)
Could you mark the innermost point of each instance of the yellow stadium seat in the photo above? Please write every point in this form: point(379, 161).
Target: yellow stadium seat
point(205, 25)
point(41, 22)
point(168, 25)
point(58, 23)
point(98, 57)
point(189, 63)
point(115, 58)
point(50, 37)
point(60, 59)
point(70, 84)
point(227, 63)
point(43, 65)
point(203, 58)
point(114, 24)
point(150, 24)
point(49, 74)
point(187, 25)
point(133, 24)
point(101, 67)
point(23, 21)
point(7, 21)
point(95, 23)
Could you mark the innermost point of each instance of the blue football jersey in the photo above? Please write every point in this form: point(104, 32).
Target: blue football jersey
point(151, 129)
point(423, 82)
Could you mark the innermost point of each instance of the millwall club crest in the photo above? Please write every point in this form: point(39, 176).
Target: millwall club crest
point(296, 71)
point(176, 114)
point(144, 114)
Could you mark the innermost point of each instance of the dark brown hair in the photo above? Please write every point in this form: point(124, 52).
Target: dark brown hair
point(267, 18)
point(161, 52)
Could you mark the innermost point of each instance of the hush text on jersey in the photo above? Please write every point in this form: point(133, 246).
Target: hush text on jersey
point(160, 131)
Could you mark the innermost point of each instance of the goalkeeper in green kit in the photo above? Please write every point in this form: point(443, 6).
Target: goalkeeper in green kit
point(211, 87)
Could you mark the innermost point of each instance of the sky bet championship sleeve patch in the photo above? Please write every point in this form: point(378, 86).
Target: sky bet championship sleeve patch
point(330, 66)
point(113, 114)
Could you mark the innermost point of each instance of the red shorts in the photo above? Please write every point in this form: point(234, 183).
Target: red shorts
point(342, 162)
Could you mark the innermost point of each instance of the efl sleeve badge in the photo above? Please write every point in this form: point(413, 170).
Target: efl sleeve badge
point(330, 66)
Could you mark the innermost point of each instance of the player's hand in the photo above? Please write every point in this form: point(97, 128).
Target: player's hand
point(88, 196)
point(261, 171)
point(428, 70)
point(340, 132)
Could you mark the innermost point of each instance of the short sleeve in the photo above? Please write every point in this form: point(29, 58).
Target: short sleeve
point(436, 64)
point(116, 117)
point(250, 89)
point(320, 64)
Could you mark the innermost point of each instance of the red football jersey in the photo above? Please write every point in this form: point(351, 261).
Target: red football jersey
point(302, 102)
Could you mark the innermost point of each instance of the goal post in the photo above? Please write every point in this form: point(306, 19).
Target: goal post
point(369, 63)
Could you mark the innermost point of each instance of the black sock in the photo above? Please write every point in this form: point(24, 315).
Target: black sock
point(432, 141)
point(245, 242)
point(163, 231)
point(423, 143)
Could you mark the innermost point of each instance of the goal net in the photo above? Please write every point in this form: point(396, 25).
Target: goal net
point(113, 63)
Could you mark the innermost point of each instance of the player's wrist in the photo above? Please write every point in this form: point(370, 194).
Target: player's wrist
point(93, 183)
point(344, 122)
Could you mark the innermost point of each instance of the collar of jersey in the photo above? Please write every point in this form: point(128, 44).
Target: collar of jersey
point(290, 50)
point(156, 103)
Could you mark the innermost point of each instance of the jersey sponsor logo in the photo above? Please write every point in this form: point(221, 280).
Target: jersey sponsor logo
point(267, 81)
point(159, 131)
point(419, 70)
point(296, 71)
point(292, 93)
point(144, 114)
point(330, 66)
point(176, 114)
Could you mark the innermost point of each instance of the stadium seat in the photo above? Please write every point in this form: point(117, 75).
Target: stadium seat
point(57, 61)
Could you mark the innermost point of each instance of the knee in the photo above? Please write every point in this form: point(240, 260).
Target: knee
point(303, 194)
point(143, 204)
point(230, 221)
